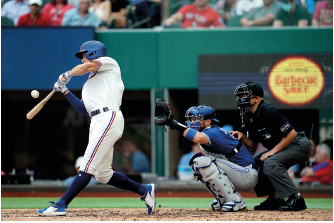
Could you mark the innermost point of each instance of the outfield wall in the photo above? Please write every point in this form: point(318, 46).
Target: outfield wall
point(169, 58)
point(148, 58)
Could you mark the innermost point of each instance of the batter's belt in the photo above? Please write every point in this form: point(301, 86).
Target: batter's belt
point(105, 109)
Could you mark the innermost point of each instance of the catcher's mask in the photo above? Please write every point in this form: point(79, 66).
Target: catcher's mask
point(196, 114)
point(244, 93)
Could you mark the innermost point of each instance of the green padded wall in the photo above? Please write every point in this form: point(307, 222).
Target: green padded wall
point(168, 58)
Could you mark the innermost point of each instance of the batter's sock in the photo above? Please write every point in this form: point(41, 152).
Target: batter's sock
point(78, 184)
point(121, 181)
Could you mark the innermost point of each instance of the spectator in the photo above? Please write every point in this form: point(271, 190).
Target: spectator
point(309, 4)
point(102, 9)
point(138, 160)
point(13, 9)
point(245, 7)
point(199, 15)
point(291, 14)
point(118, 13)
point(294, 171)
point(81, 16)
point(56, 10)
point(323, 14)
point(184, 171)
point(143, 8)
point(35, 17)
point(74, 3)
point(323, 171)
point(262, 16)
point(69, 180)
point(227, 9)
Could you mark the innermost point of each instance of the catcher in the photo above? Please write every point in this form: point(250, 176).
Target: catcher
point(224, 166)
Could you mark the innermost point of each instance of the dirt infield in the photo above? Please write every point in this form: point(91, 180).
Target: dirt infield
point(167, 214)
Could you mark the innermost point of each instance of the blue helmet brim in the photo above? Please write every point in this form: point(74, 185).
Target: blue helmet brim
point(80, 54)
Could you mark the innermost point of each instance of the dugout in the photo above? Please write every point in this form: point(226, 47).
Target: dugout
point(173, 64)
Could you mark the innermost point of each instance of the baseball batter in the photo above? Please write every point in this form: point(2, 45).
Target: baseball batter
point(101, 99)
point(224, 166)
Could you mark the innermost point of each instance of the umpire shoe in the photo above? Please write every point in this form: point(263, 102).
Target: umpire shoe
point(149, 197)
point(294, 203)
point(53, 210)
point(270, 204)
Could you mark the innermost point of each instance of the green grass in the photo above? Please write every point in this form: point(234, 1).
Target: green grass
point(88, 202)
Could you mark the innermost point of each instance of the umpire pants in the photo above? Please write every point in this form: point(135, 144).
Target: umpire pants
point(273, 175)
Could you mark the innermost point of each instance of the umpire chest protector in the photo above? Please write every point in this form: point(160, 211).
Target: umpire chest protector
point(267, 125)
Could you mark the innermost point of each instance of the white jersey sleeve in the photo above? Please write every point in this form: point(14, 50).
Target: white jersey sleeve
point(104, 88)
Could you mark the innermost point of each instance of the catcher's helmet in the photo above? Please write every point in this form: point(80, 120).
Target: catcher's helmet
point(245, 92)
point(93, 50)
point(196, 114)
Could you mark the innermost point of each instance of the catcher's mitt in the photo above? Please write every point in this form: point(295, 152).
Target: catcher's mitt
point(163, 115)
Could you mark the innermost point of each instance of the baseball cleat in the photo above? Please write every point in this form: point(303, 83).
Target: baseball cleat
point(53, 210)
point(270, 204)
point(217, 206)
point(237, 205)
point(149, 197)
point(294, 203)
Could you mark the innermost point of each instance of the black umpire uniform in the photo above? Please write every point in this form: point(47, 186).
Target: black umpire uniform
point(268, 126)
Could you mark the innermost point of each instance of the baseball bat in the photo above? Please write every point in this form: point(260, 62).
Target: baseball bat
point(39, 106)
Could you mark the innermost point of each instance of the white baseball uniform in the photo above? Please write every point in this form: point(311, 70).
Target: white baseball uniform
point(103, 88)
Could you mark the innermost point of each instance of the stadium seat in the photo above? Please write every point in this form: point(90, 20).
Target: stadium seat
point(6, 22)
point(234, 21)
point(136, 16)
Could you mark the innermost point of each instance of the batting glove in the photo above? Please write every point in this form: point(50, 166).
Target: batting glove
point(64, 78)
point(59, 86)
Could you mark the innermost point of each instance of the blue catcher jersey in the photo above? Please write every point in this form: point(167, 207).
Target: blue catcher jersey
point(221, 143)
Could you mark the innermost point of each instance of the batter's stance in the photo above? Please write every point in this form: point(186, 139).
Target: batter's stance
point(224, 166)
point(101, 99)
point(285, 147)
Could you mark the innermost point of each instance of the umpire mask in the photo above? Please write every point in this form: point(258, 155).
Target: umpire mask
point(244, 93)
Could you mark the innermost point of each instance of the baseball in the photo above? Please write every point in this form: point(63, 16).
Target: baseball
point(34, 94)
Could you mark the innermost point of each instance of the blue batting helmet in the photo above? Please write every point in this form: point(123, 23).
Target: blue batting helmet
point(93, 50)
point(195, 114)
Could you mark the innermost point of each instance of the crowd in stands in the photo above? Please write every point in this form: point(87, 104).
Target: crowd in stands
point(221, 14)
point(318, 168)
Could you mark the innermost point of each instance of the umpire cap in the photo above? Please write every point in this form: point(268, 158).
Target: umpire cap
point(255, 88)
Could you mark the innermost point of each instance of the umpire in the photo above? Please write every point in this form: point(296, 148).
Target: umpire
point(284, 148)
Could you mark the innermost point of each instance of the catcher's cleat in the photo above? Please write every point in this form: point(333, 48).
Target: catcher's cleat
point(53, 210)
point(270, 204)
point(294, 203)
point(217, 205)
point(149, 197)
point(237, 205)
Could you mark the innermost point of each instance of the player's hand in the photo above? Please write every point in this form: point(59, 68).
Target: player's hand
point(65, 78)
point(265, 156)
point(238, 135)
point(58, 86)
